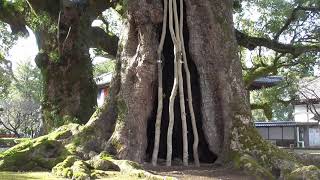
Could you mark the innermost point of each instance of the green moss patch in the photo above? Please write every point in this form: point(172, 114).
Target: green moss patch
point(38, 154)
point(101, 166)
point(251, 166)
point(59, 151)
point(256, 156)
point(42, 153)
point(75, 168)
point(80, 170)
point(8, 142)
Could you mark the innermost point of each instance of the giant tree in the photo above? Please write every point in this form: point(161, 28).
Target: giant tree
point(283, 39)
point(64, 34)
point(124, 126)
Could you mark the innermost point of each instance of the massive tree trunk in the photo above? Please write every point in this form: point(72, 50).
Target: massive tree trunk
point(64, 35)
point(69, 89)
point(218, 91)
point(124, 126)
point(220, 99)
point(212, 50)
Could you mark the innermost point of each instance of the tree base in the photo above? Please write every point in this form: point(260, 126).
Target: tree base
point(58, 151)
point(257, 157)
point(64, 152)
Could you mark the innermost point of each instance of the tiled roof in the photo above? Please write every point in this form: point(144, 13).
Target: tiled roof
point(284, 124)
point(273, 124)
point(103, 79)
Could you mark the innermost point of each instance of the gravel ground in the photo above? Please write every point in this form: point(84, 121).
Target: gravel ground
point(205, 172)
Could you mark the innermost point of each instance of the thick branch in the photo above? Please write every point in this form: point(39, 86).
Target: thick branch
point(252, 42)
point(16, 19)
point(100, 39)
point(50, 6)
point(293, 17)
point(98, 6)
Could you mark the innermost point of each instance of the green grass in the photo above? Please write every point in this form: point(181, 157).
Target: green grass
point(28, 175)
point(48, 176)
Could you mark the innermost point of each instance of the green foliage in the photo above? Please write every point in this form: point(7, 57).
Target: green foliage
point(16, 5)
point(6, 42)
point(104, 67)
point(41, 21)
point(273, 103)
point(5, 79)
point(268, 19)
point(20, 100)
point(28, 84)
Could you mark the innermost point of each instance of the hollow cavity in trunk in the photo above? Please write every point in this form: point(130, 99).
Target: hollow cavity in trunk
point(205, 155)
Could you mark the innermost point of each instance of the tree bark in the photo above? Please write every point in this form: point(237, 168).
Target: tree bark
point(69, 89)
point(64, 35)
point(138, 80)
point(213, 50)
point(120, 126)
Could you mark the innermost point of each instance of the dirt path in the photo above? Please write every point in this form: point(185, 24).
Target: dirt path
point(206, 171)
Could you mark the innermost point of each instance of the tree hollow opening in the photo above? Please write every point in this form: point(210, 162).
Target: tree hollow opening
point(205, 155)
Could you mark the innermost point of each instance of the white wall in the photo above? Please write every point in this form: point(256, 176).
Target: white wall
point(100, 97)
point(314, 137)
point(303, 114)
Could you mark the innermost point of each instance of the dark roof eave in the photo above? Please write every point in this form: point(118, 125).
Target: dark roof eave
point(306, 101)
point(285, 124)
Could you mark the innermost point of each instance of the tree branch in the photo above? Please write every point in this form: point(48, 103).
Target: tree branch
point(293, 17)
point(98, 6)
point(100, 39)
point(16, 19)
point(252, 42)
point(311, 104)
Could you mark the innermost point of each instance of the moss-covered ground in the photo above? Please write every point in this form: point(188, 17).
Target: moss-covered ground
point(28, 175)
point(61, 152)
point(8, 142)
point(49, 176)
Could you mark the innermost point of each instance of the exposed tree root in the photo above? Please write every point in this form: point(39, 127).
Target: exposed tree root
point(61, 152)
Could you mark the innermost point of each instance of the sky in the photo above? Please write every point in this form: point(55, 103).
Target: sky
point(24, 50)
